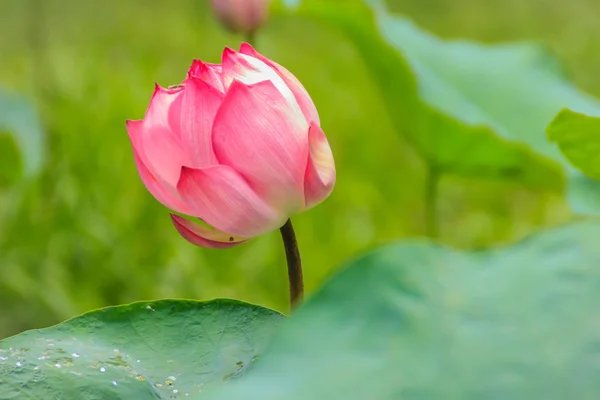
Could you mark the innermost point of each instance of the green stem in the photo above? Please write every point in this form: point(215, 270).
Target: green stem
point(431, 193)
point(292, 255)
point(251, 38)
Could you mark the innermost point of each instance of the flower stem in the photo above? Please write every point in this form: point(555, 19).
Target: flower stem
point(431, 191)
point(292, 254)
point(251, 38)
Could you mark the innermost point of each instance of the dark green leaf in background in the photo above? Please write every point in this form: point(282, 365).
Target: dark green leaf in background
point(463, 146)
point(418, 321)
point(470, 109)
point(165, 349)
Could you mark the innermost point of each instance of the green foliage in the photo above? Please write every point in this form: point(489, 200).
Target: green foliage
point(470, 109)
point(147, 350)
point(578, 138)
point(430, 108)
point(421, 321)
point(21, 139)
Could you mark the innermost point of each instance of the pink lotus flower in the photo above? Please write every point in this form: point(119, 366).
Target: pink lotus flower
point(237, 145)
point(241, 16)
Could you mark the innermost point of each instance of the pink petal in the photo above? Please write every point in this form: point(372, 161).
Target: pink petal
point(201, 236)
point(250, 70)
point(157, 138)
point(320, 171)
point(167, 196)
point(302, 97)
point(209, 73)
point(147, 140)
point(199, 107)
point(165, 107)
point(261, 137)
point(158, 189)
point(135, 130)
point(222, 197)
point(163, 154)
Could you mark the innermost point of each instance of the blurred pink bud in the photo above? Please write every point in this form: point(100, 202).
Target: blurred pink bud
point(241, 16)
point(237, 145)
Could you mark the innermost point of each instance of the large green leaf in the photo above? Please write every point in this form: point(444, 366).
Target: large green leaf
point(578, 138)
point(470, 109)
point(21, 139)
point(418, 321)
point(147, 350)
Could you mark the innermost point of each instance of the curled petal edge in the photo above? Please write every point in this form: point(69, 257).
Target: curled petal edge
point(202, 236)
point(320, 173)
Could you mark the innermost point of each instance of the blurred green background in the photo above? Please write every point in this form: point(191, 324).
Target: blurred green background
point(86, 233)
